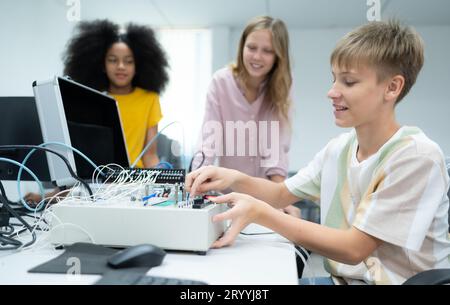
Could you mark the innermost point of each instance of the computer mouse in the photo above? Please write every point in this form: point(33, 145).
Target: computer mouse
point(144, 255)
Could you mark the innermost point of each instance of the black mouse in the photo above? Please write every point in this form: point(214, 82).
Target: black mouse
point(144, 255)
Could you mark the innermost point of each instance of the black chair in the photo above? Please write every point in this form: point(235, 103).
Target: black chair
point(430, 277)
point(169, 151)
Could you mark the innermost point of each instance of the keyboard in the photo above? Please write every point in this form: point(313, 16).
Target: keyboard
point(136, 277)
point(156, 280)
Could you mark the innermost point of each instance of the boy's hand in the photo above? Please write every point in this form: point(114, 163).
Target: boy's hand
point(209, 178)
point(245, 210)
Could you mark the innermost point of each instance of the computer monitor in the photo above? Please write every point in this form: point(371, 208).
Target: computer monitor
point(84, 118)
point(19, 125)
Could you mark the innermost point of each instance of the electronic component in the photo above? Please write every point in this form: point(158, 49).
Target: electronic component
point(163, 175)
point(126, 223)
point(200, 203)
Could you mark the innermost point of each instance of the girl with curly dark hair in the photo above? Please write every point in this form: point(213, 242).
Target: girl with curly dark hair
point(132, 67)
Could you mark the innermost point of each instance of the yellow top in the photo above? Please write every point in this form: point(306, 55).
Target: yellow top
point(139, 111)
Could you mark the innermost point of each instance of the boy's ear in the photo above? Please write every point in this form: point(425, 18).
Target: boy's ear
point(395, 87)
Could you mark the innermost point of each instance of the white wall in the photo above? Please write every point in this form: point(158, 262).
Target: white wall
point(427, 105)
point(34, 34)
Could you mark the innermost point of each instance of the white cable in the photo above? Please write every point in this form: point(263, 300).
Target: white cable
point(41, 188)
point(149, 144)
point(61, 224)
point(75, 226)
point(19, 175)
point(65, 146)
point(312, 280)
point(43, 237)
point(124, 186)
point(38, 221)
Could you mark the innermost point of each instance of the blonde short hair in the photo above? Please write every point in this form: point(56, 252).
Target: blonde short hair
point(389, 47)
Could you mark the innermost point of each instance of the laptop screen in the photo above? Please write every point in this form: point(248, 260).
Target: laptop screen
point(89, 119)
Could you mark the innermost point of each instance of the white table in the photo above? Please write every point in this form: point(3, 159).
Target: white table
point(253, 260)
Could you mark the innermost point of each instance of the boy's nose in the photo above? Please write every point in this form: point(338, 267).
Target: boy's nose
point(333, 93)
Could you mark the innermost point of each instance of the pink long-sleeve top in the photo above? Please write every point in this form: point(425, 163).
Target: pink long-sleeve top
point(245, 136)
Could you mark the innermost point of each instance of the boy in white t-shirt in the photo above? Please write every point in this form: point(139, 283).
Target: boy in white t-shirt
point(382, 188)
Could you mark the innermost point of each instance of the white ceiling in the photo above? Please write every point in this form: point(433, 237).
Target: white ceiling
point(235, 13)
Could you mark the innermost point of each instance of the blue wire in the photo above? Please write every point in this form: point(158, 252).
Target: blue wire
point(19, 175)
point(164, 163)
point(73, 149)
point(41, 188)
point(148, 197)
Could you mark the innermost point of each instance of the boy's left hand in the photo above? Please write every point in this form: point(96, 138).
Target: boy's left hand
point(245, 210)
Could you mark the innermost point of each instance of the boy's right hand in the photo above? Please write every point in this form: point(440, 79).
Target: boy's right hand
point(210, 178)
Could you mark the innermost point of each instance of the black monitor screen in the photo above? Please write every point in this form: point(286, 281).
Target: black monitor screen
point(19, 125)
point(94, 127)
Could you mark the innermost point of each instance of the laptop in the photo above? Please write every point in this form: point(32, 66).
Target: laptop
point(83, 118)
